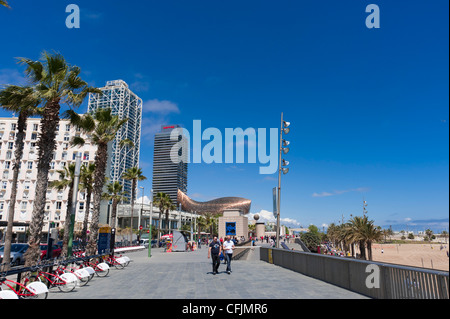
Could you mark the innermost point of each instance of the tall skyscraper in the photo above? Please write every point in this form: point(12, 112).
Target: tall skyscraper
point(169, 176)
point(124, 103)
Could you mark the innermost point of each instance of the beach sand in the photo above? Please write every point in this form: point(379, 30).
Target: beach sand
point(417, 255)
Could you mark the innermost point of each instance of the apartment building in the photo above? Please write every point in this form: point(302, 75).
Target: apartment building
point(64, 154)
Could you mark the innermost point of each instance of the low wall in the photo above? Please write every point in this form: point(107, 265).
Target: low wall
point(390, 281)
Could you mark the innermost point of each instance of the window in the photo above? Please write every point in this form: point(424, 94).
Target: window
point(4, 184)
point(33, 136)
point(13, 126)
point(5, 175)
point(9, 155)
point(58, 205)
point(81, 207)
point(23, 205)
point(35, 127)
point(7, 165)
point(12, 135)
point(30, 165)
point(26, 185)
point(86, 157)
point(10, 145)
point(67, 127)
point(66, 138)
point(64, 156)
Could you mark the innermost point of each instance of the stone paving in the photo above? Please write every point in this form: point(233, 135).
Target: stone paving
point(187, 275)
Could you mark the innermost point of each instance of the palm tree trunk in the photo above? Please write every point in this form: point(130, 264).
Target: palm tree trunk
point(46, 145)
point(133, 194)
point(86, 216)
point(67, 222)
point(101, 159)
point(362, 249)
point(369, 249)
point(114, 213)
point(159, 225)
point(18, 153)
point(167, 222)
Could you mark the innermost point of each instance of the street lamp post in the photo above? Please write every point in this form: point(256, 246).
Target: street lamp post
point(150, 226)
point(284, 128)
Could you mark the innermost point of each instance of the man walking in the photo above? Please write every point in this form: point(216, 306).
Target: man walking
point(228, 247)
point(215, 248)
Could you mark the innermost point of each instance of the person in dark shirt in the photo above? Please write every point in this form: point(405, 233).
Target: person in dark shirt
point(215, 248)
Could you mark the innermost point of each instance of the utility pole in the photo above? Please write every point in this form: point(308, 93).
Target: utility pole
point(76, 181)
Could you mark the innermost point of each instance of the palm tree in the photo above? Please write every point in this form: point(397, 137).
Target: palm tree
point(428, 234)
point(162, 200)
point(102, 127)
point(202, 224)
point(86, 184)
point(115, 194)
point(24, 101)
point(66, 180)
point(357, 230)
point(4, 3)
point(170, 206)
point(56, 82)
point(372, 234)
point(133, 174)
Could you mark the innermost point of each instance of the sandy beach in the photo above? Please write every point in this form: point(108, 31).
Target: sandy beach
point(418, 255)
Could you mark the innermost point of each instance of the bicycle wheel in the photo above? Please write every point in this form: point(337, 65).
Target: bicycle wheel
point(34, 290)
point(65, 286)
point(83, 278)
point(118, 265)
point(66, 282)
point(101, 273)
point(102, 270)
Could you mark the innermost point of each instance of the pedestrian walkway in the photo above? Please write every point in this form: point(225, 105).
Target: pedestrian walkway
point(187, 275)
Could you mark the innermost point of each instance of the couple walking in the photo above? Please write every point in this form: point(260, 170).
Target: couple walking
point(215, 248)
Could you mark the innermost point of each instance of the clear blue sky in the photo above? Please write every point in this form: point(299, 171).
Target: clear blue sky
point(369, 107)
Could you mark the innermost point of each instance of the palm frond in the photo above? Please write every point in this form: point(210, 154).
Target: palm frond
point(5, 4)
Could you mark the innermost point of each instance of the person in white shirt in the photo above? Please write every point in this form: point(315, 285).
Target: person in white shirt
point(228, 247)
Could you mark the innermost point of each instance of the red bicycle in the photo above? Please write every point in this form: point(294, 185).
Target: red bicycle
point(65, 282)
point(32, 290)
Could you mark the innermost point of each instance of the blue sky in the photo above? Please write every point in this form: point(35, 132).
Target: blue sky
point(368, 107)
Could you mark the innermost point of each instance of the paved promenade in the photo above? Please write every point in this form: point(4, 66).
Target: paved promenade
point(187, 275)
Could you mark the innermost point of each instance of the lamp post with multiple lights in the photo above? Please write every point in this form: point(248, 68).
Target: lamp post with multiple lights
point(282, 168)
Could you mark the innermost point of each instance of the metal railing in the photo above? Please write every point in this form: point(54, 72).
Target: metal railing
point(372, 279)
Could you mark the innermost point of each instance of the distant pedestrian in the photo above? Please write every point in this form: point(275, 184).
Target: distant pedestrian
point(215, 248)
point(228, 247)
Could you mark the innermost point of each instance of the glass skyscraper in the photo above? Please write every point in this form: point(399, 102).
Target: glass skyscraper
point(124, 103)
point(169, 176)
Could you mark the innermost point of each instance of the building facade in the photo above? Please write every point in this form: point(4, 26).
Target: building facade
point(64, 154)
point(127, 105)
point(170, 176)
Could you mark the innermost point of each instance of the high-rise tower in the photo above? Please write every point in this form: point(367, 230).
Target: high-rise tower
point(170, 176)
point(124, 103)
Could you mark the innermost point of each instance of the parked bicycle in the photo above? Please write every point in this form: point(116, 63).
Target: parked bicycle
point(65, 282)
point(28, 290)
